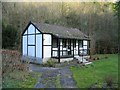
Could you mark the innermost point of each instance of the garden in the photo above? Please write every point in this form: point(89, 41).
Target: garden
point(102, 73)
point(15, 74)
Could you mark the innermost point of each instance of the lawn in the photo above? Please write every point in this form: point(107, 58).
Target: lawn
point(101, 70)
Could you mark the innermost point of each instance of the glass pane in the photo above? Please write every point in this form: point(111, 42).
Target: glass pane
point(39, 45)
point(84, 47)
point(31, 39)
point(54, 53)
point(84, 42)
point(55, 43)
point(31, 51)
point(64, 43)
point(24, 45)
point(37, 31)
point(31, 29)
point(80, 43)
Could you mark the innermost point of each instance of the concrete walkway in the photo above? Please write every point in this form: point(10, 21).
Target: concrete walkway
point(54, 77)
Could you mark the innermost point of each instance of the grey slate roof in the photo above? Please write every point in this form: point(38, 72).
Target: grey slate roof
point(60, 31)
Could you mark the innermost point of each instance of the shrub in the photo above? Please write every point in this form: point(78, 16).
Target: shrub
point(9, 36)
point(50, 63)
point(109, 80)
point(11, 62)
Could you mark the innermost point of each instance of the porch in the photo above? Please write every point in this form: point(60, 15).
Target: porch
point(68, 48)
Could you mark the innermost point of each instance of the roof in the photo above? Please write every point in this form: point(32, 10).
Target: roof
point(60, 31)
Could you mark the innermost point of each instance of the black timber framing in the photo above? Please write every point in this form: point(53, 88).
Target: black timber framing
point(89, 47)
point(78, 47)
point(58, 38)
point(42, 46)
point(58, 50)
point(73, 46)
point(35, 42)
point(27, 41)
point(51, 45)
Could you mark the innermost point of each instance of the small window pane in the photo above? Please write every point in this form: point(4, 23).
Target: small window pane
point(31, 29)
point(31, 51)
point(31, 39)
point(37, 31)
point(84, 42)
point(80, 43)
point(55, 43)
point(64, 43)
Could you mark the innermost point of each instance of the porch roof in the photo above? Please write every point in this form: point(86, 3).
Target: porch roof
point(60, 31)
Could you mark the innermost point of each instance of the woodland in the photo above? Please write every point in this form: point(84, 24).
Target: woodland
point(98, 20)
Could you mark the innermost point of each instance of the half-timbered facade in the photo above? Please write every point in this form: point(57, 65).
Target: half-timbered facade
point(42, 41)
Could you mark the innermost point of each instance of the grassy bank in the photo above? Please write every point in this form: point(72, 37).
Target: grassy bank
point(104, 69)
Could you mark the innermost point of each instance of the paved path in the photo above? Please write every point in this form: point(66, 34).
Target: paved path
point(52, 77)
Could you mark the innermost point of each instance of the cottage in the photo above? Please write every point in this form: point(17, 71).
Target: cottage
point(43, 41)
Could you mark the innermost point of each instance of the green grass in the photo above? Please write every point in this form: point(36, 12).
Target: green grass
point(21, 79)
point(97, 72)
point(58, 85)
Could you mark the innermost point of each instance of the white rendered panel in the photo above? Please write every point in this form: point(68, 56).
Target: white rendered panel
point(31, 39)
point(84, 42)
point(47, 39)
point(31, 29)
point(39, 45)
point(64, 48)
point(31, 51)
point(47, 51)
point(54, 48)
point(24, 45)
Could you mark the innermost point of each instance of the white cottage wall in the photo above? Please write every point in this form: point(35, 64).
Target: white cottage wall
point(46, 45)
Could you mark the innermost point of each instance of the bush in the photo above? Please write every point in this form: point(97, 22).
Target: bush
point(109, 80)
point(9, 36)
point(11, 62)
point(50, 63)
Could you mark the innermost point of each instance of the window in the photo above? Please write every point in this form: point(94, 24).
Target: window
point(64, 43)
point(80, 43)
point(75, 43)
point(55, 43)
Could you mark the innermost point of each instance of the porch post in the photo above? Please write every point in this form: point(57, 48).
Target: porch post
point(58, 50)
point(78, 47)
point(89, 47)
point(73, 46)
